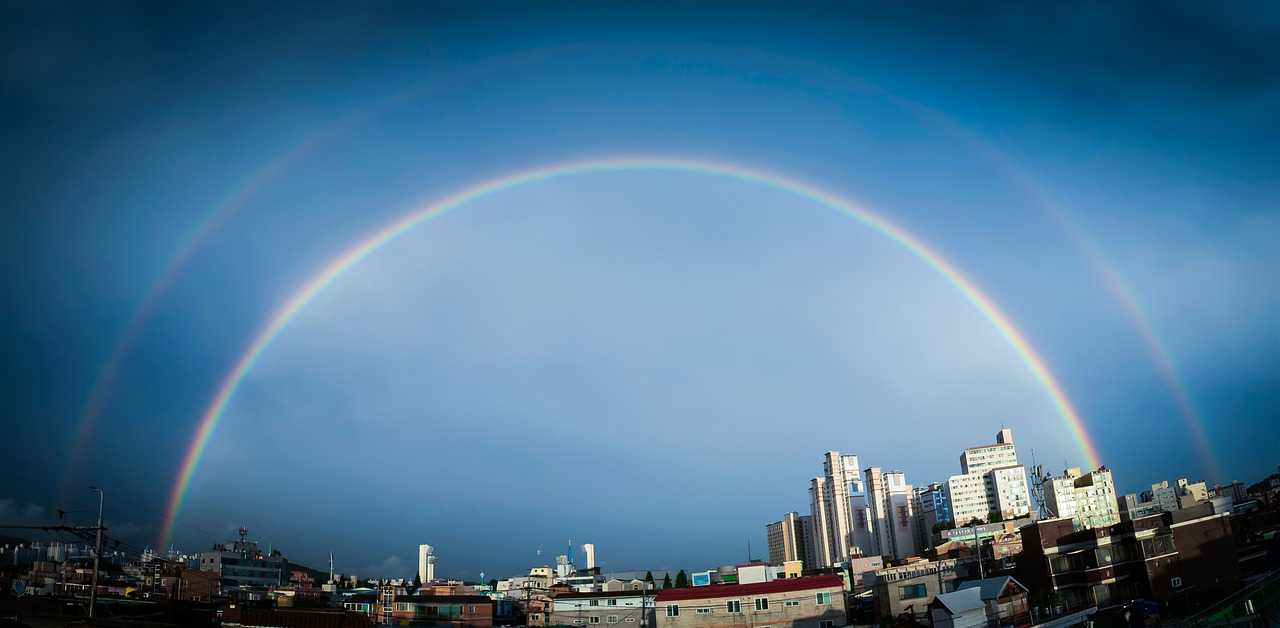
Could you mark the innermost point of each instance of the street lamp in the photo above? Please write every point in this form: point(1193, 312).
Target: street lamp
point(97, 553)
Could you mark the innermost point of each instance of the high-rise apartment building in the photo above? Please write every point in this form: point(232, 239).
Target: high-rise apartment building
point(789, 539)
point(837, 506)
point(426, 563)
point(1089, 500)
point(932, 509)
point(891, 508)
point(991, 483)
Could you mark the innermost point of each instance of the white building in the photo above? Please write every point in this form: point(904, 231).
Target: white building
point(891, 508)
point(837, 505)
point(1089, 500)
point(990, 482)
point(426, 563)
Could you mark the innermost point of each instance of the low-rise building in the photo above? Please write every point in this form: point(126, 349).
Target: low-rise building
point(459, 611)
point(912, 587)
point(807, 602)
point(606, 609)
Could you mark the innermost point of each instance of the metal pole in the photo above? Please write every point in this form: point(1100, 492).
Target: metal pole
point(97, 553)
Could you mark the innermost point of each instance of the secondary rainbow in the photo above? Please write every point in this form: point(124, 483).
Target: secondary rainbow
point(339, 265)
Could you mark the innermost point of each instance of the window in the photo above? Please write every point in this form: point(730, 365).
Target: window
point(631, 620)
point(1176, 582)
point(762, 603)
point(613, 619)
point(703, 610)
point(673, 610)
point(595, 619)
point(402, 607)
point(791, 603)
point(911, 591)
point(613, 602)
point(827, 623)
point(733, 606)
point(593, 603)
point(535, 617)
point(824, 597)
point(472, 610)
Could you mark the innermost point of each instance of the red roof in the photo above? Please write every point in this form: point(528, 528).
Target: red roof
point(780, 585)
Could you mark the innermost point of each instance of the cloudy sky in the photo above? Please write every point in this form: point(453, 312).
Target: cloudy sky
point(650, 358)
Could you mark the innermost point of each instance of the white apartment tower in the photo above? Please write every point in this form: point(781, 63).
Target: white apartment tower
point(426, 564)
point(990, 482)
point(891, 508)
point(1089, 500)
point(589, 554)
point(837, 506)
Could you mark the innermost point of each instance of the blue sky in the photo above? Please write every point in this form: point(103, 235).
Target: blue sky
point(651, 361)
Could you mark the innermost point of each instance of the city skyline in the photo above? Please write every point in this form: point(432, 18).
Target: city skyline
point(494, 279)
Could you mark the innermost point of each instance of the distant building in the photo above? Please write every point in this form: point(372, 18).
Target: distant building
point(837, 505)
point(242, 564)
point(891, 505)
point(1088, 500)
point(991, 483)
point(808, 602)
point(789, 539)
point(426, 563)
point(933, 509)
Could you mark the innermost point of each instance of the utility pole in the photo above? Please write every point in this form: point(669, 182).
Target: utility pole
point(97, 553)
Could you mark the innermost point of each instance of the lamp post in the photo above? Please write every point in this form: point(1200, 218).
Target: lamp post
point(97, 553)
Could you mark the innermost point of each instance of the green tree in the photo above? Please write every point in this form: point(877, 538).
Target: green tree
point(648, 577)
point(682, 580)
point(493, 584)
point(417, 579)
point(973, 522)
point(666, 580)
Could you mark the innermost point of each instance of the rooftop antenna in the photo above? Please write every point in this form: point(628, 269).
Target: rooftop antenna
point(243, 533)
point(331, 567)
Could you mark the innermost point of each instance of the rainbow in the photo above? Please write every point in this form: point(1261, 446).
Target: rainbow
point(222, 211)
point(339, 265)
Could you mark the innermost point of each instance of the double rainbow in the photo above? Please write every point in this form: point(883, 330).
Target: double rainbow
point(339, 265)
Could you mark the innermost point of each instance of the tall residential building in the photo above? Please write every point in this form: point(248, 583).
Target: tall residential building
point(789, 539)
point(426, 563)
point(589, 554)
point(891, 508)
point(837, 505)
point(932, 509)
point(1089, 500)
point(991, 482)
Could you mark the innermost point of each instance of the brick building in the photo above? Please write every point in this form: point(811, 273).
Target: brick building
point(1158, 558)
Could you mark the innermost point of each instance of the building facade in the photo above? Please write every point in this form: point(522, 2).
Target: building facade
point(891, 509)
point(1088, 500)
point(991, 483)
point(608, 609)
point(837, 507)
point(789, 539)
point(1156, 558)
point(808, 602)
